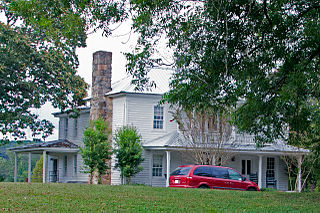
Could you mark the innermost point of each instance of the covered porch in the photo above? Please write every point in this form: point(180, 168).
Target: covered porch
point(55, 158)
point(263, 165)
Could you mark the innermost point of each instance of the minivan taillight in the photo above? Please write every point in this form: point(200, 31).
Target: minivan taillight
point(188, 180)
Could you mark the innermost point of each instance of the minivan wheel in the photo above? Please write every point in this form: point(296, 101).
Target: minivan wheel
point(252, 189)
point(203, 187)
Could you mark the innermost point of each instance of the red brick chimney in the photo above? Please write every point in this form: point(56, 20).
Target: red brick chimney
point(101, 106)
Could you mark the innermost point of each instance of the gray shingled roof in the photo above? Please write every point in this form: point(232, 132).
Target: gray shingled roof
point(177, 140)
point(62, 143)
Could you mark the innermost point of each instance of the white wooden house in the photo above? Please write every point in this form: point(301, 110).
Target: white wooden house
point(162, 141)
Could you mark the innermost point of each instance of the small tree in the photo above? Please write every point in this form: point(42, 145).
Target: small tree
point(36, 175)
point(128, 151)
point(206, 135)
point(96, 150)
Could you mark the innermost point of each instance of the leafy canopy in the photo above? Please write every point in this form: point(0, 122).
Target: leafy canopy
point(260, 58)
point(38, 62)
point(128, 151)
point(97, 147)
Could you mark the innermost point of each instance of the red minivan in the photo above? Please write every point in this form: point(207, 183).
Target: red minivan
point(213, 177)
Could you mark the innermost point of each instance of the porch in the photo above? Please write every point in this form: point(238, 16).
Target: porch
point(263, 165)
point(57, 156)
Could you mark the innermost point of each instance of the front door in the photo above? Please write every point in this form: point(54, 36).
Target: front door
point(246, 167)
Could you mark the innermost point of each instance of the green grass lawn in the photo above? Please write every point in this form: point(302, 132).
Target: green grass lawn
point(82, 197)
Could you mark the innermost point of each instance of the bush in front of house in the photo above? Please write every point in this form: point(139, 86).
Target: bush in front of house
point(128, 151)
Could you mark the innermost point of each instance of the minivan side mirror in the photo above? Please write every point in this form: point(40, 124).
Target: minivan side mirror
point(244, 178)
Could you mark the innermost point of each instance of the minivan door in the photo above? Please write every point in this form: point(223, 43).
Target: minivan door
point(236, 180)
point(220, 178)
point(202, 175)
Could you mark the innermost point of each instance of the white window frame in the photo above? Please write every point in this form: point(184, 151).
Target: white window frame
point(157, 170)
point(158, 117)
point(75, 127)
point(66, 124)
point(246, 167)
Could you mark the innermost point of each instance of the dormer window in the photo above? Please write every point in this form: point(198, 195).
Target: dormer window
point(158, 117)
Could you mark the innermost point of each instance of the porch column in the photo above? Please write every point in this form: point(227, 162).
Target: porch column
point(15, 167)
point(260, 172)
point(44, 165)
point(299, 173)
point(29, 168)
point(168, 168)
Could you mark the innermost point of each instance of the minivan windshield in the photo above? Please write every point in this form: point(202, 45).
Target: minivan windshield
point(181, 171)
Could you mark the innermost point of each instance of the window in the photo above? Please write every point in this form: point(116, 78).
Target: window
point(270, 167)
point(65, 166)
point(75, 164)
point(75, 129)
point(65, 127)
point(158, 117)
point(233, 175)
point(220, 173)
point(203, 171)
point(181, 171)
point(157, 166)
point(246, 167)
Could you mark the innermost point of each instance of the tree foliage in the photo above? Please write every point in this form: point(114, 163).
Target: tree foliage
point(37, 172)
point(38, 62)
point(7, 167)
point(97, 149)
point(128, 151)
point(259, 57)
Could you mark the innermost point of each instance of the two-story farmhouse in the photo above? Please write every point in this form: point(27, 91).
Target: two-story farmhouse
point(163, 146)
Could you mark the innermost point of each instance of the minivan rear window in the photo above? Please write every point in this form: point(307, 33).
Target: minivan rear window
point(181, 171)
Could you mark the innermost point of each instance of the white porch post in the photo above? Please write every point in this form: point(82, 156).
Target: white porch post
point(44, 167)
point(29, 168)
point(168, 168)
point(299, 173)
point(15, 167)
point(260, 172)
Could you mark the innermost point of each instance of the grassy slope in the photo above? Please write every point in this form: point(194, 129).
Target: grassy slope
point(82, 197)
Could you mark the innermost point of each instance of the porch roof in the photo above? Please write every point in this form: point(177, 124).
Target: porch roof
point(61, 145)
point(240, 143)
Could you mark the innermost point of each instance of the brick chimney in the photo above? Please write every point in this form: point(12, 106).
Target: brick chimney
point(101, 106)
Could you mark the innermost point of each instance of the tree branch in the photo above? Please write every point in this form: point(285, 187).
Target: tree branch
point(266, 12)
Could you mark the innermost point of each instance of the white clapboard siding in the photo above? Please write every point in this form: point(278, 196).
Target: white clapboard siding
point(141, 112)
point(283, 176)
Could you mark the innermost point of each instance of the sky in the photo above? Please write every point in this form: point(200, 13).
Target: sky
point(118, 43)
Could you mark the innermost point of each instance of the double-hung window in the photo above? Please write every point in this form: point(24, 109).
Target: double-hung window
point(75, 128)
point(158, 117)
point(157, 166)
point(66, 127)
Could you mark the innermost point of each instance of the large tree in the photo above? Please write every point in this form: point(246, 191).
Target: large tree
point(258, 57)
point(38, 62)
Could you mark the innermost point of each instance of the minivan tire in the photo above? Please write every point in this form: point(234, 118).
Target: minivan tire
point(251, 189)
